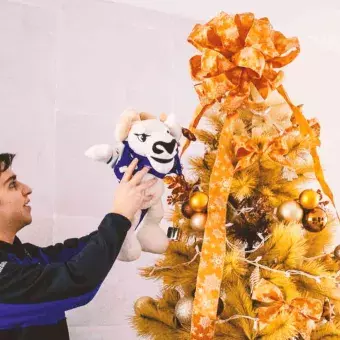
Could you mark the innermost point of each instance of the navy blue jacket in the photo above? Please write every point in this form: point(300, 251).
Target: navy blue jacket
point(37, 285)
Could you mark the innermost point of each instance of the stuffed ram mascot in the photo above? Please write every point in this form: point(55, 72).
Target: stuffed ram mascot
point(155, 143)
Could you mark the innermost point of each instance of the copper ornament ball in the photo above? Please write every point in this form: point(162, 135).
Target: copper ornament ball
point(199, 201)
point(309, 199)
point(197, 221)
point(315, 220)
point(186, 209)
point(290, 211)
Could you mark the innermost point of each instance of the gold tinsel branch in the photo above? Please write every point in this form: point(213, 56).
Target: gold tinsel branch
point(157, 323)
point(285, 246)
point(328, 331)
point(283, 328)
point(237, 301)
point(172, 268)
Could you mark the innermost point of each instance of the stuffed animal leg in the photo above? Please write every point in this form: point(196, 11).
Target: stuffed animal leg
point(131, 248)
point(150, 235)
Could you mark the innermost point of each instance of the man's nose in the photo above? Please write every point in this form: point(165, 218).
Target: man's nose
point(26, 190)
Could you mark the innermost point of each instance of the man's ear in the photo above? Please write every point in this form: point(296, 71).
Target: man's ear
point(127, 118)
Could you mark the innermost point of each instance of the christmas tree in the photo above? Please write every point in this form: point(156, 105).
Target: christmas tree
point(252, 253)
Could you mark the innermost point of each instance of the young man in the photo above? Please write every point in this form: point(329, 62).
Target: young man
point(37, 285)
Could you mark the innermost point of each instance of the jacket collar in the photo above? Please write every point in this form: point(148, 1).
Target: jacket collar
point(15, 248)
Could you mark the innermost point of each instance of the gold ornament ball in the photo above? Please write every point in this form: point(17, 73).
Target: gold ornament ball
point(290, 211)
point(186, 209)
point(309, 199)
point(197, 221)
point(315, 220)
point(141, 302)
point(183, 310)
point(199, 201)
point(337, 252)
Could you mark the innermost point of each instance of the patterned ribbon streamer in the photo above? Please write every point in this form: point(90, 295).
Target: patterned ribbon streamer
point(307, 130)
point(209, 274)
point(306, 311)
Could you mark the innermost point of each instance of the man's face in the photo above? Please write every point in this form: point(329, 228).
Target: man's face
point(14, 197)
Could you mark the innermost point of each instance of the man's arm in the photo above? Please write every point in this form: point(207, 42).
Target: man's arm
point(64, 285)
point(52, 288)
point(60, 252)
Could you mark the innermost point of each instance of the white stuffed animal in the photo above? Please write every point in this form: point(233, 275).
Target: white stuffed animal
point(155, 143)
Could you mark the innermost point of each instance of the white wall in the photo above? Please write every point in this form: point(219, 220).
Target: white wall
point(69, 67)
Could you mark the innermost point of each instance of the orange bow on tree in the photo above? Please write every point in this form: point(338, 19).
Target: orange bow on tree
point(247, 151)
point(306, 311)
point(237, 51)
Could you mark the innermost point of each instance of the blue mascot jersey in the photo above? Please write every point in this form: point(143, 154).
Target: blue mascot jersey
point(127, 157)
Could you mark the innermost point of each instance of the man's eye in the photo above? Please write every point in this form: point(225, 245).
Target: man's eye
point(13, 185)
point(142, 137)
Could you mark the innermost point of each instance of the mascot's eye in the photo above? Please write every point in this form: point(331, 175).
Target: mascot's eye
point(168, 131)
point(142, 136)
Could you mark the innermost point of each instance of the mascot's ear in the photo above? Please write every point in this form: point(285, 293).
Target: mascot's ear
point(174, 127)
point(100, 152)
point(127, 118)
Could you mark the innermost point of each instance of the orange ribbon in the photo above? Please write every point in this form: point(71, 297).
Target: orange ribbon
point(306, 129)
point(306, 311)
point(209, 273)
point(247, 151)
point(237, 51)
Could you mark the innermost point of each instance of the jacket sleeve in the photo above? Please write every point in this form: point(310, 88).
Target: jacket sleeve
point(63, 286)
point(60, 252)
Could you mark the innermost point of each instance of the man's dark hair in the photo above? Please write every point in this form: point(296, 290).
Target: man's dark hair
point(6, 160)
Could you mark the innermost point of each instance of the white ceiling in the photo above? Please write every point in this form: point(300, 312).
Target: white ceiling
point(204, 9)
point(313, 20)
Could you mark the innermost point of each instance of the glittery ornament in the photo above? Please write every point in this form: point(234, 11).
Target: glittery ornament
point(197, 221)
point(290, 211)
point(183, 310)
